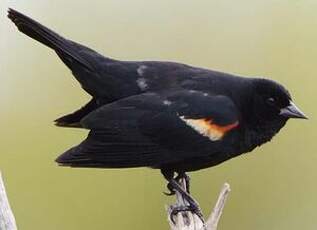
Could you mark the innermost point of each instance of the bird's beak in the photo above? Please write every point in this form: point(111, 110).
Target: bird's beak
point(292, 111)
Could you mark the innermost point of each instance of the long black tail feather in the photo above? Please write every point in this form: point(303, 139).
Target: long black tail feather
point(46, 36)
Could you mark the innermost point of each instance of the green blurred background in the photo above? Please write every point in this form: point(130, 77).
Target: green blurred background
point(272, 188)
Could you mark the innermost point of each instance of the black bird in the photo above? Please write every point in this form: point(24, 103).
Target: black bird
point(164, 115)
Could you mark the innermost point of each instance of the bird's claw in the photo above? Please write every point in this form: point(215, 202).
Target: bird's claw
point(195, 210)
point(169, 193)
point(170, 189)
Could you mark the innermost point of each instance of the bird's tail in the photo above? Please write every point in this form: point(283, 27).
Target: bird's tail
point(86, 64)
point(46, 36)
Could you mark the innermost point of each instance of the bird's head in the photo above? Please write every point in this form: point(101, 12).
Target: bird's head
point(272, 102)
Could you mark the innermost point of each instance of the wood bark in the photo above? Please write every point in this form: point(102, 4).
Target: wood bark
point(7, 220)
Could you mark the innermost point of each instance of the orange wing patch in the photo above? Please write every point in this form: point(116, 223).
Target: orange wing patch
point(207, 128)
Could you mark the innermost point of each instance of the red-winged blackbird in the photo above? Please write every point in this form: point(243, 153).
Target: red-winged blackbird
point(164, 115)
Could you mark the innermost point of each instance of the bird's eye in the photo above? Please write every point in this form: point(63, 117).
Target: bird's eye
point(270, 101)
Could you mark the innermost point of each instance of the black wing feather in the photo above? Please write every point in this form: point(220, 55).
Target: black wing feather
point(111, 149)
point(142, 131)
point(73, 119)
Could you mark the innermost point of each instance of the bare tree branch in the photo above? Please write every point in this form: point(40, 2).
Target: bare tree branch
point(213, 220)
point(7, 220)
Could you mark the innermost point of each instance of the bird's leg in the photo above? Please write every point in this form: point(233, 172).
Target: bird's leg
point(168, 174)
point(173, 186)
point(178, 178)
point(192, 204)
point(184, 176)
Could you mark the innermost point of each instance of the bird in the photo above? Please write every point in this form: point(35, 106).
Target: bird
point(163, 115)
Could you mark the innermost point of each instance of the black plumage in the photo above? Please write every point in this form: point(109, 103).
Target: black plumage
point(164, 115)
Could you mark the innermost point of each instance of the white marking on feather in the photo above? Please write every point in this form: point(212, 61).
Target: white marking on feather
point(167, 102)
point(208, 129)
point(142, 83)
point(205, 94)
point(202, 128)
point(141, 70)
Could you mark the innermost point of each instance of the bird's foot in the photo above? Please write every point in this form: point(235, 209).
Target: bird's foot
point(192, 204)
point(183, 209)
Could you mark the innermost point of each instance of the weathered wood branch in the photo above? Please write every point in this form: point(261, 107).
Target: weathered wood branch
point(190, 221)
point(7, 220)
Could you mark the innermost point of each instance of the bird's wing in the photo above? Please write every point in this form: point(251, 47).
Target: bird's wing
point(152, 130)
